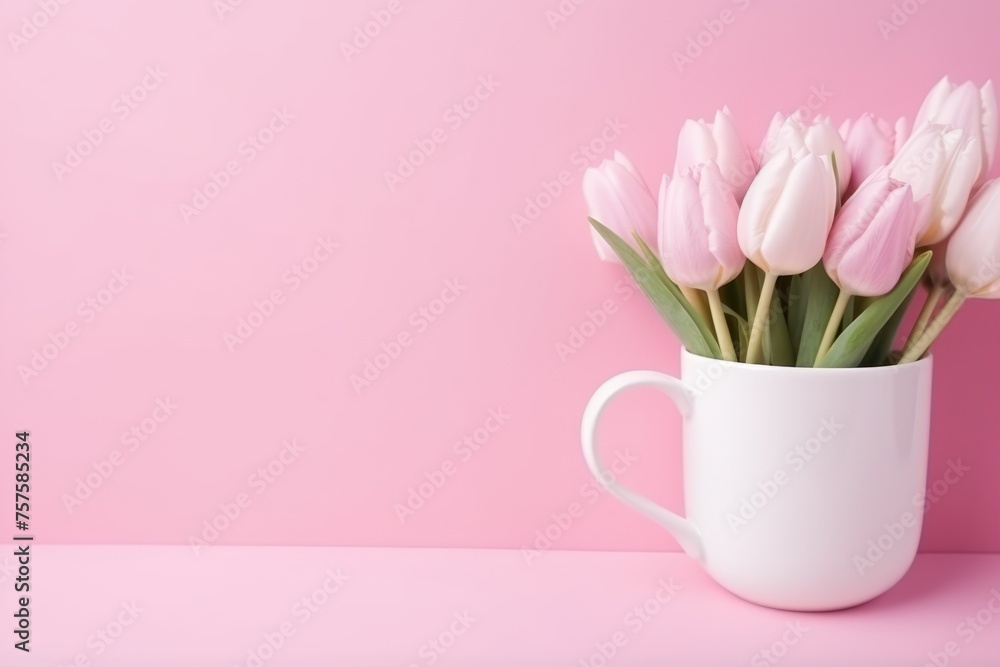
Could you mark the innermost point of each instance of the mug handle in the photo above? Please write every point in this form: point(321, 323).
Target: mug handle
point(682, 529)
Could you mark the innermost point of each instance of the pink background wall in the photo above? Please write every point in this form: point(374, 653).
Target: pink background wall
point(491, 349)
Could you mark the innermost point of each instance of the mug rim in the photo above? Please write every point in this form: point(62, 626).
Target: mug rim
point(798, 370)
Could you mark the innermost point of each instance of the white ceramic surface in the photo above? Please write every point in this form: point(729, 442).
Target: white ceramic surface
point(803, 488)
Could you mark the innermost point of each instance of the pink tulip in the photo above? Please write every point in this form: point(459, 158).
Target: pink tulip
point(700, 142)
point(698, 214)
point(619, 198)
point(973, 257)
point(787, 213)
point(819, 136)
point(941, 163)
point(873, 237)
point(870, 143)
point(967, 108)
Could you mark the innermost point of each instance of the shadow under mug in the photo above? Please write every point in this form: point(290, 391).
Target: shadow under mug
point(803, 487)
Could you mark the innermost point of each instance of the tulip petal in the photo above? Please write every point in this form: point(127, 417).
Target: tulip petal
point(758, 203)
point(822, 139)
point(953, 196)
point(901, 134)
point(636, 200)
point(661, 218)
point(684, 251)
point(963, 108)
point(732, 155)
point(801, 218)
point(695, 145)
point(603, 205)
point(849, 224)
point(772, 143)
point(871, 266)
point(973, 255)
point(720, 216)
point(933, 102)
point(869, 145)
point(967, 108)
point(989, 102)
point(922, 163)
point(621, 159)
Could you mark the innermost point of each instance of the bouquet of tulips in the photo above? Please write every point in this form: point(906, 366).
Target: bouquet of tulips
point(839, 227)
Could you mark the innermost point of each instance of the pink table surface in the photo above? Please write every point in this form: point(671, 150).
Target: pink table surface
point(161, 605)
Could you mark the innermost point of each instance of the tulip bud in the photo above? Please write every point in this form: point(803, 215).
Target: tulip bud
point(967, 108)
point(870, 143)
point(941, 163)
point(973, 256)
point(873, 237)
point(819, 137)
point(786, 216)
point(700, 142)
point(619, 198)
point(698, 214)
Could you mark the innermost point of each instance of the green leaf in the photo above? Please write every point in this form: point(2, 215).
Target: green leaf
point(744, 336)
point(878, 353)
point(821, 295)
point(742, 331)
point(780, 345)
point(796, 311)
point(733, 296)
point(736, 316)
point(751, 287)
point(849, 313)
point(853, 344)
point(657, 267)
point(671, 308)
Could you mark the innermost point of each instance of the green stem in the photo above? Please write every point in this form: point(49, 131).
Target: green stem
point(933, 298)
point(696, 299)
point(752, 289)
point(934, 329)
point(832, 326)
point(721, 328)
point(760, 320)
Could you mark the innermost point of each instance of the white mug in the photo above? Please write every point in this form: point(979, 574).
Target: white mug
point(803, 487)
